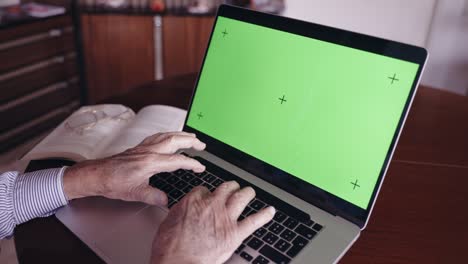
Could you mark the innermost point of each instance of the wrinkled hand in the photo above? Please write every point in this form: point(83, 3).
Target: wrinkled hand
point(125, 176)
point(203, 226)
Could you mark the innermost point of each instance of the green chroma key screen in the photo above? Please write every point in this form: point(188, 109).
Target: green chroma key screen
point(322, 112)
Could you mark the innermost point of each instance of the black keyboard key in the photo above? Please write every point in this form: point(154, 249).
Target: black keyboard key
point(176, 194)
point(251, 212)
point(300, 241)
point(261, 194)
point(298, 244)
point(317, 227)
point(167, 189)
point(196, 182)
point(279, 217)
point(276, 228)
point(157, 183)
point(208, 186)
point(209, 178)
point(187, 189)
point(241, 217)
point(239, 249)
point(201, 174)
point(217, 182)
point(260, 260)
point(246, 256)
point(152, 180)
point(290, 223)
point(282, 245)
point(257, 205)
point(179, 172)
point(187, 177)
point(173, 179)
point(270, 238)
point(305, 231)
point(180, 184)
point(247, 239)
point(260, 232)
point(246, 211)
point(288, 235)
point(170, 200)
point(309, 222)
point(268, 224)
point(274, 255)
point(255, 243)
point(164, 175)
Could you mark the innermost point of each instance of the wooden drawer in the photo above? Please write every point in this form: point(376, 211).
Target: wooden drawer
point(57, 95)
point(35, 28)
point(38, 78)
point(25, 54)
point(55, 70)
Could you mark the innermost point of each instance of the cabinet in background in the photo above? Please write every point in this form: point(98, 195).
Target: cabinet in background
point(39, 78)
point(184, 43)
point(118, 53)
point(121, 51)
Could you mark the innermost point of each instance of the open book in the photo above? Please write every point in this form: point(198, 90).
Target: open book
point(104, 130)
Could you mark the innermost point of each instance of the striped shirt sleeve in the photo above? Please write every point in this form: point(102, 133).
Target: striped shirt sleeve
point(27, 196)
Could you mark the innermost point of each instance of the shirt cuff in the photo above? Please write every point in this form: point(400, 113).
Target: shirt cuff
point(38, 194)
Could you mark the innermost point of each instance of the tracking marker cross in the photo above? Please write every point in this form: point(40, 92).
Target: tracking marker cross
point(282, 99)
point(355, 184)
point(393, 78)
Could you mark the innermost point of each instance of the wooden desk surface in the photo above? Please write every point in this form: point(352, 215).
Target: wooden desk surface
point(419, 217)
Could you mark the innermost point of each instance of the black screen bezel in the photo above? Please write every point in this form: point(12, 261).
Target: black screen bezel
point(277, 177)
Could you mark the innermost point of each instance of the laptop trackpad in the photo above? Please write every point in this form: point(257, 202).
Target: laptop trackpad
point(96, 216)
point(131, 239)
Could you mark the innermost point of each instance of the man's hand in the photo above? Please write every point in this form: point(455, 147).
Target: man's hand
point(125, 175)
point(203, 226)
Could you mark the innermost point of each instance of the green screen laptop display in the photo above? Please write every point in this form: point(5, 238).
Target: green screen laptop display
point(322, 112)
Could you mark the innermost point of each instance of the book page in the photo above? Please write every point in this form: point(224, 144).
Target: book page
point(149, 120)
point(84, 134)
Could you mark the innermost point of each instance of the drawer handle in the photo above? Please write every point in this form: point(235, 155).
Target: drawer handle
point(60, 59)
point(55, 32)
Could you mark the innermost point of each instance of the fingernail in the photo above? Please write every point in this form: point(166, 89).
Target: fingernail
point(199, 170)
point(271, 210)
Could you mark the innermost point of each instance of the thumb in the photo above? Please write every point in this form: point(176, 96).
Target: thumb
point(150, 195)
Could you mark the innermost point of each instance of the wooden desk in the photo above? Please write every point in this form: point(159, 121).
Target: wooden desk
point(420, 214)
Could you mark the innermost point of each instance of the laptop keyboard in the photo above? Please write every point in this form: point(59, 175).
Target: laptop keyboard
point(278, 241)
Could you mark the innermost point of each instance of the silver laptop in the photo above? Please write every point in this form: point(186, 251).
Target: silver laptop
point(307, 115)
